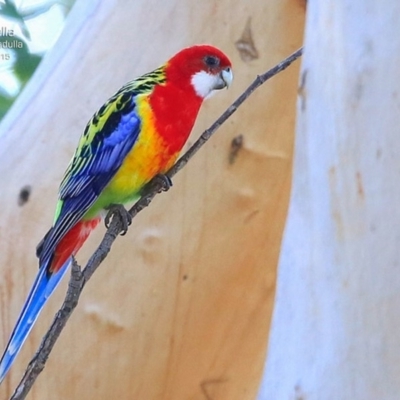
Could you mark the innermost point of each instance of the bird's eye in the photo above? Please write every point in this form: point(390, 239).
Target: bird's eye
point(211, 61)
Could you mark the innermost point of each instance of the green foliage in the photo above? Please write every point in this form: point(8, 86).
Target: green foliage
point(16, 56)
point(9, 11)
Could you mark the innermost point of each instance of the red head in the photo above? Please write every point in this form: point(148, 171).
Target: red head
point(190, 76)
point(202, 69)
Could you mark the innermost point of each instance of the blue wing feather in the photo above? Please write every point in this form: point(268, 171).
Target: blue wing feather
point(90, 171)
point(110, 135)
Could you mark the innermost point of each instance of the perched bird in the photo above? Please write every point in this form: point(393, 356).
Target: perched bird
point(136, 135)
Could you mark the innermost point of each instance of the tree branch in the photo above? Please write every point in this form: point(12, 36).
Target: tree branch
point(79, 278)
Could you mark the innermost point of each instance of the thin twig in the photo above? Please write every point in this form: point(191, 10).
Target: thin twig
point(79, 278)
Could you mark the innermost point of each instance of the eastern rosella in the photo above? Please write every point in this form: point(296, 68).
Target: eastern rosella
point(137, 134)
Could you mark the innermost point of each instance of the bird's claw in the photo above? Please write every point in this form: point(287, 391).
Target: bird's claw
point(118, 210)
point(162, 182)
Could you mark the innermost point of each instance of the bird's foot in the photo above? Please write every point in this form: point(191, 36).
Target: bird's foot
point(119, 211)
point(162, 182)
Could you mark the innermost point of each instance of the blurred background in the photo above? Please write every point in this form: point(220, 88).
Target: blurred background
point(181, 308)
point(28, 30)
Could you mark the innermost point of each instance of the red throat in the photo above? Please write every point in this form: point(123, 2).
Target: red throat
point(175, 109)
point(175, 103)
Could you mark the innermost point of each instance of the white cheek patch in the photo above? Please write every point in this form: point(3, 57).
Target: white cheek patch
point(204, 83)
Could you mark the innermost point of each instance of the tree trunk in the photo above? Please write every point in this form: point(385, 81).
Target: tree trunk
point(181, 307)
point(335, 330)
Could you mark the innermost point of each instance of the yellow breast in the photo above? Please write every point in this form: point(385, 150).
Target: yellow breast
point(148, 157)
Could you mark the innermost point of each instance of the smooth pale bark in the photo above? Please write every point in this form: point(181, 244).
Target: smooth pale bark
point(336, 330)
point(181, 307)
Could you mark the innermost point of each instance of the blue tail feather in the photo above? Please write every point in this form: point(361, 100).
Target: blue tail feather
point(41, 290)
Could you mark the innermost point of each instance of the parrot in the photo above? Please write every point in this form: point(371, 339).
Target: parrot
point(135, 136)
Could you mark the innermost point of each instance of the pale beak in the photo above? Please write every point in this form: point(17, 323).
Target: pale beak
point(225, 78)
